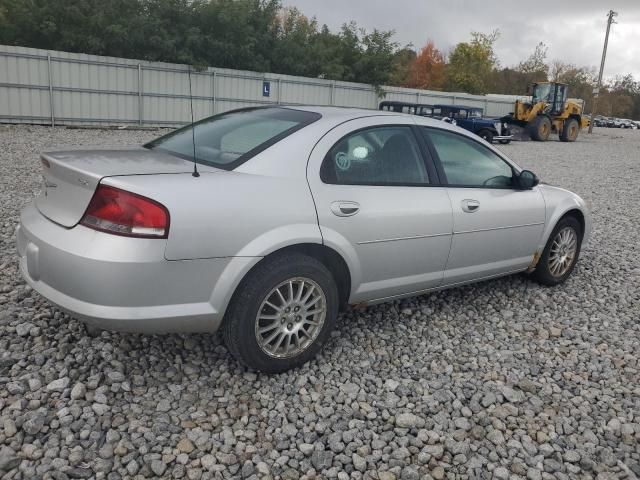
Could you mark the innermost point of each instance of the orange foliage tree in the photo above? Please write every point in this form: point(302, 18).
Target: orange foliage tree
point(427, 70)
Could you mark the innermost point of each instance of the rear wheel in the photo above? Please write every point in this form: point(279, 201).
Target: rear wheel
point(540, 128)
point(570, 130)
point(486, 135)
point(560, 254)
point(282, 313)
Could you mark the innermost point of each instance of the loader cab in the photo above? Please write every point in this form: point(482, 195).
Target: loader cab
point(552, 93)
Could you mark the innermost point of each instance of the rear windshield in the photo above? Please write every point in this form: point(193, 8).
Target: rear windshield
point(229, 139)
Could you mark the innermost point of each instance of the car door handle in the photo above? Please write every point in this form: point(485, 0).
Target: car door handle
point(345, 209)
point(470, 206)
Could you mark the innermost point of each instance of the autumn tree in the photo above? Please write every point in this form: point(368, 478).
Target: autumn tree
point(427, 70)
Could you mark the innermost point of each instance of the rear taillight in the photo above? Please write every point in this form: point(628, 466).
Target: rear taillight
point(120, 212)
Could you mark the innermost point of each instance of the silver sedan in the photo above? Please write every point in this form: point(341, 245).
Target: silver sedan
point(265, 222)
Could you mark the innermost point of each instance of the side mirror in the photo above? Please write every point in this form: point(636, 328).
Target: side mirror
point(527, 180)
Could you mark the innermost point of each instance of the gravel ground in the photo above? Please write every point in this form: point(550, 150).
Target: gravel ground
point(504, 379)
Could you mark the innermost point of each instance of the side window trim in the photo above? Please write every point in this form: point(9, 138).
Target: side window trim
point(440, 169)
point(435, 177)
point(432, 180)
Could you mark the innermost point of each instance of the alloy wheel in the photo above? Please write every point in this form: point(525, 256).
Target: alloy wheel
point(290, 317)
point(563, 251)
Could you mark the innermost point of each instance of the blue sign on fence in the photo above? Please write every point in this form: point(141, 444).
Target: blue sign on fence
point(266, 89)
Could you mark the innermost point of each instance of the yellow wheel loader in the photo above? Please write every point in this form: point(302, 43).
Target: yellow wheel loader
point(549, 112)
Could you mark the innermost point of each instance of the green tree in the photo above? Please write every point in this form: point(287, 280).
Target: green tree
point(296, 35)
point(471, 64)
point(536, 64)
point(376, 60)
point(402, 61)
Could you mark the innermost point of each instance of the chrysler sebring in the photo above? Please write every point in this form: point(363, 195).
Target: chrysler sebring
point(265, 222)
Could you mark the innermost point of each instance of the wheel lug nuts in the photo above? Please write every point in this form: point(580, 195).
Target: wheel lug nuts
point(290, 326)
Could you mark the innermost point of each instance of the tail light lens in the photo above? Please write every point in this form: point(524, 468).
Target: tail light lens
point(120, 212)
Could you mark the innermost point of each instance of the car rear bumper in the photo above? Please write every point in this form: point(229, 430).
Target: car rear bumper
point(119, 283)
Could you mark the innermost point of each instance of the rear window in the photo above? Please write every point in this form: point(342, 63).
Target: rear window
point(229, 139)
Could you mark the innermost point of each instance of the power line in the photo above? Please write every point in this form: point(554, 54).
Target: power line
point(596, 91)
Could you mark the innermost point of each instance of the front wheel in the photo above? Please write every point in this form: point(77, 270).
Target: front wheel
point(540, 128)
point(487, 135)
point(570, 130)
point(560, 254)
point(282, 313)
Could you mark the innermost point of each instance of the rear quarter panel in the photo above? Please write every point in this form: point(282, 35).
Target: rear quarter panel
point(229, 214)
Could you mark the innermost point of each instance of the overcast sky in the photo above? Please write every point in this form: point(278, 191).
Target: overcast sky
point(572, 29)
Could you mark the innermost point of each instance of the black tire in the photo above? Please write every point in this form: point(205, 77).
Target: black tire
point(486, 135)
point(239, 326)
point(505, 142)
point(540, 128)
point(570, 130)
point(543, 274)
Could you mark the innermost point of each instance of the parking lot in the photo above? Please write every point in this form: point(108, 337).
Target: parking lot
point(503, 379)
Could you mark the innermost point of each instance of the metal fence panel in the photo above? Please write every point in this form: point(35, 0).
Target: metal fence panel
point(51, 87)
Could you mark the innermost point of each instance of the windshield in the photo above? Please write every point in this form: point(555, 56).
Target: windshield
point(542, 93)
point(229, 139)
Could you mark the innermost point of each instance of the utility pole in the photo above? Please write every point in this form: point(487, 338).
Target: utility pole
point(596, 91)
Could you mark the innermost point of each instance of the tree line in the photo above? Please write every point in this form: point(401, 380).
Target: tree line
point(264, 36)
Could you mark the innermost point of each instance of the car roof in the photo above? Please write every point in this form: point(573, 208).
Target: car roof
point(396, 102)
point(466, 107)
point(335, 112)
point(341, 114)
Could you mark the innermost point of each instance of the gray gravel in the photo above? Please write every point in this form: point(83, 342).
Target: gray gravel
point(505, 379)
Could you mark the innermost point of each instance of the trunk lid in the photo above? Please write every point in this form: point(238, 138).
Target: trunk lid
point(70, 177)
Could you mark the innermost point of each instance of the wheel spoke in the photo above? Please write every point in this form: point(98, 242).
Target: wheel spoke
point(272, 337)
point(279, 342)
point(312, 302)
point(304, 331)
point(283, 301)
point(300, 290)
point(308, 295)
point(268, 328)
point(277, 309)
point(290, 290)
